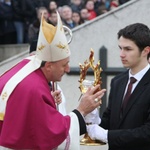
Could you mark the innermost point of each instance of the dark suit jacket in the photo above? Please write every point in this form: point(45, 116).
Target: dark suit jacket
point(131, 131)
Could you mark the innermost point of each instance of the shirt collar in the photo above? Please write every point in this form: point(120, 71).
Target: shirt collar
point(138, 76)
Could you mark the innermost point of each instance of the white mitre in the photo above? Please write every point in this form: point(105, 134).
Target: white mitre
point(52, 42)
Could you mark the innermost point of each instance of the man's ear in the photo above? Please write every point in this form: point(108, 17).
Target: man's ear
point(48, 66)
point(146, 50)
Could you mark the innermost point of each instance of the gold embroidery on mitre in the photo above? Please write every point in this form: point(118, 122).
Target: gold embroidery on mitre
point(60, 45)
point(1, 116)
point(4, 95)
point(41, 47)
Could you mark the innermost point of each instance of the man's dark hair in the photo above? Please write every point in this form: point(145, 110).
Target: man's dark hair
point(138, 33)
point(42, 64)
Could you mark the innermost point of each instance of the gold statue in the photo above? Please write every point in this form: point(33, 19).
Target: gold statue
point(84, 84)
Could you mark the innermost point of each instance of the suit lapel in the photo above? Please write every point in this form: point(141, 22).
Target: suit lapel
point(121, 85)
point(136, 93)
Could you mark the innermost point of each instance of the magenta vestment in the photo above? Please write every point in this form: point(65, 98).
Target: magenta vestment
point(31, 119)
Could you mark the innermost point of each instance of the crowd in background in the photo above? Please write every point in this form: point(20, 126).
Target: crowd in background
point(20, 19)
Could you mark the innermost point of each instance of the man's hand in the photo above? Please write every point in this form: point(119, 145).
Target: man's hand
point(93, 117)
point(57, 96)
point(90, 100)
point(97, 133)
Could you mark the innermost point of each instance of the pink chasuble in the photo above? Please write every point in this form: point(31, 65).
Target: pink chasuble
point(31, 120)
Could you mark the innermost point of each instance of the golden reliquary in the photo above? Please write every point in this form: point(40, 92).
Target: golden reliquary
point(83, 71)
point(85, 84)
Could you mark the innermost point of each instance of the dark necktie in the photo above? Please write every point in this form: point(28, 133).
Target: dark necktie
point(128, 93)
point(50, 85)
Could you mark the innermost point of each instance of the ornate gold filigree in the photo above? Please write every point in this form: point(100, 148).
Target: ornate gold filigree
point(96, 69)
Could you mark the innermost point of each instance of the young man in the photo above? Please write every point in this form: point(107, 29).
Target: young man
point(28, 115)
point(125, 125)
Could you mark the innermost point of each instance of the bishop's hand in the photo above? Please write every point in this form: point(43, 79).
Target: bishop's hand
point(57, 96)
